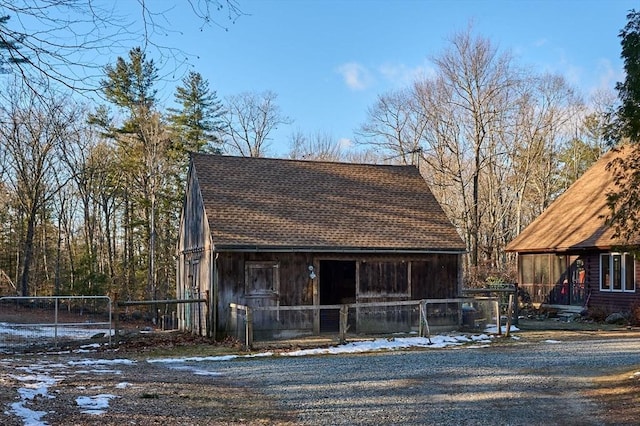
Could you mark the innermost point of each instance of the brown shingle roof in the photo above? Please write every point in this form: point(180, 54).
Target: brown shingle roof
point(575, 220)
point(274, 204)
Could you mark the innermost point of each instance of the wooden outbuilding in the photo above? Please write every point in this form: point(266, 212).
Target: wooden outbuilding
point(274, 232)
point(570, 256)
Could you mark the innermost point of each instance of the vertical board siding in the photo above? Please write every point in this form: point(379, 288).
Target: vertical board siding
point(434, 278)
point(380, 278)
point(384, 279)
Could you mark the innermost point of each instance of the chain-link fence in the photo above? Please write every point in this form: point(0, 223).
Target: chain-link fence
point(38, 323)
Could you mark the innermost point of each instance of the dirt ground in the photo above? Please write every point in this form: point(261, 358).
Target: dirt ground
point(157, 395)
point(618, 392)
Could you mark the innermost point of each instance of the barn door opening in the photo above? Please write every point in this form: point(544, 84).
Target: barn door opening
point(337, 286)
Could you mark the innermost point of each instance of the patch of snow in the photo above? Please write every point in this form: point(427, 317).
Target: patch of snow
point(117, 361)
point(196, 371)
point(29, 416)
point(552, 341)
point(209, 358)
point(94, 405)
point(34, 385)
point(503, 329)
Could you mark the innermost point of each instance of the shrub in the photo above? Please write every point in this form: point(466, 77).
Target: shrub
point(597, 314)
point(634, 318)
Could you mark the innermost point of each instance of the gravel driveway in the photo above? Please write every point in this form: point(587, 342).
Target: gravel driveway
point(513, 382)
point(519, 384)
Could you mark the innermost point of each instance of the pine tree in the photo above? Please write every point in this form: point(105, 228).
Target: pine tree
point(628, 113)
point(197, 123)
point(624, 200)
point(9, 47)
point(129, 85)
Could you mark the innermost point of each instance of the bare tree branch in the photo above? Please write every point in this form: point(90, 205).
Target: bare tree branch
point(64, 42)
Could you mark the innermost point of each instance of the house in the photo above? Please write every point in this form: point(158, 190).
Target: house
point(569, 256)
point(273, 232)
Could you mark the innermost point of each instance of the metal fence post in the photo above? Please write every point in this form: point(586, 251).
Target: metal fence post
point(116, 316)
point(55, 323)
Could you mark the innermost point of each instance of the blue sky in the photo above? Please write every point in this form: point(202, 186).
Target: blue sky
point(329, 60)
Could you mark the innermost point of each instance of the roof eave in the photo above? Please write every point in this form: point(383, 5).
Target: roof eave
point(352, 250)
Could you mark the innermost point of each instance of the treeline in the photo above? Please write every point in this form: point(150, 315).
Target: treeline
point(91, 194)
point(496, 141)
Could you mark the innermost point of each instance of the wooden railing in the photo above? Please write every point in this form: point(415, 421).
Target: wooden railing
point(421, 305)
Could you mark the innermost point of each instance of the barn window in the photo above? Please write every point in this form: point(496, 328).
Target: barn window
point(261, 278)
point(617, 272)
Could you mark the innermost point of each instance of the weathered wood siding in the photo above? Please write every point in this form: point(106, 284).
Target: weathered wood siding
point(387, 279)
point(379, 278)
point(436, 277)
point(194, 266)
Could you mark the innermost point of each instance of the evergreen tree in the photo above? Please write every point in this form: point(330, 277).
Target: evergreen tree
point(627, 122)
point(197, 123)
point(141, 146)
point(9, 47)
point(624, 200)
point(129, 85)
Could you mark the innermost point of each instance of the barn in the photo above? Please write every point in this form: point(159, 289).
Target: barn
point(568, 256)
point(275, 232)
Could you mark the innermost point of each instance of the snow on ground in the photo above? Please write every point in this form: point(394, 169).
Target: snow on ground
point(37, 380)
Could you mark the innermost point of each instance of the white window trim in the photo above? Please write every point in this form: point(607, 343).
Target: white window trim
point(623, 272)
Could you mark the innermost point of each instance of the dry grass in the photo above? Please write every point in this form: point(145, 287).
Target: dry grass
point(619, 394)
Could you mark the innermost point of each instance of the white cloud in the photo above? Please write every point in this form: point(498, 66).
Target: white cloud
point(607, 75)
point(401, 75)
point(345, 143)
point(540, 42)
point(356, 76)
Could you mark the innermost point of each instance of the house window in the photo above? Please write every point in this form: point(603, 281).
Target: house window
point(261, 278)
point(617, 272)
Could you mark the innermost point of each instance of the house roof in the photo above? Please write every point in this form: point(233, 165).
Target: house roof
point(289, 205)
point(576, 219)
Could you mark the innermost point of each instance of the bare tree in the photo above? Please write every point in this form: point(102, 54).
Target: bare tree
point(395, 126)
point(488, 137)
point(33, 130)
point(249, 120)
point(63, 41)
point(319, 146)
point(478, 82)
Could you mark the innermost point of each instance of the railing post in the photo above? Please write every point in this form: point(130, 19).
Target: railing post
point(497, 302)
point(516, 306)
point(509, 314)
point(344, 326)
point(424, 321)
point(207, 318)
point(249, 329)
point(421, 319)
point(234, 319)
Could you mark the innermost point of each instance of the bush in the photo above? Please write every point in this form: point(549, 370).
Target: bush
point(634, 317)
point(597, 314)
